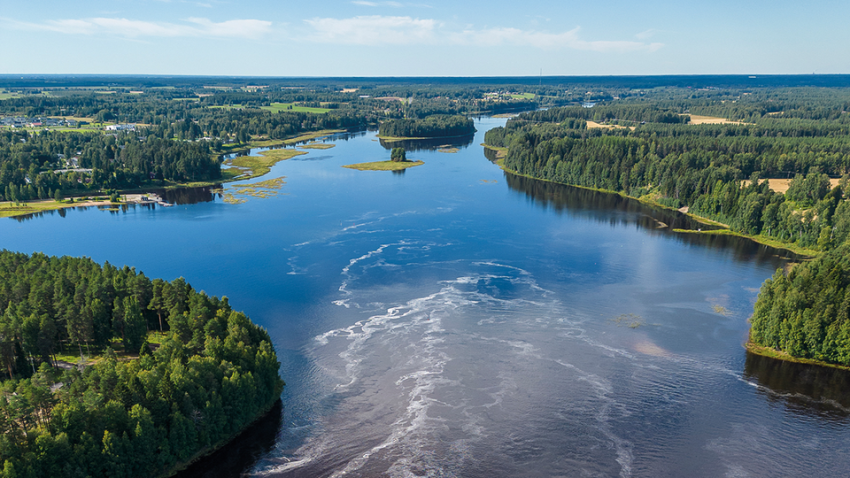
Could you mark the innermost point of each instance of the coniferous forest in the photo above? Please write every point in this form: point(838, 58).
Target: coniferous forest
point(722, 172)
point(140, 414)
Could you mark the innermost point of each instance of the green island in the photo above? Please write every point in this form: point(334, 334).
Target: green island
point(775, 173)
point(384, 165)
point(437, 126)
point(398, 162)
point(110, 373)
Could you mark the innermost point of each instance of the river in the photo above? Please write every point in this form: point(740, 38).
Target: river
point(458, 321)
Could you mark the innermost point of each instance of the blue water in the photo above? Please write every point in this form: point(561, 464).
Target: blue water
point(457, 321)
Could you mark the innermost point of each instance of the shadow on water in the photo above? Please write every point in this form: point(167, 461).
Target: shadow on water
point(806, 389)
point(431, 144)
point(178, 197)
point(585, 203)
point(183, 196)
point(243, 452)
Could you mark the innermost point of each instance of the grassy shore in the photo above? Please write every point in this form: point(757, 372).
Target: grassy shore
point(316, 146)
point(501, 153)
point(393, 139)
point(384, 165)
point(268, 143)
point(8, 209)
point(255, 166)
point(767, 241)
point(780, 355)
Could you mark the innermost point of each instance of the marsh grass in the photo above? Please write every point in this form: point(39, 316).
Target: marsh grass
point(384, 165)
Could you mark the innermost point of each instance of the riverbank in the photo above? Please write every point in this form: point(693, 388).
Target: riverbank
point(255, 166)
point(722, 229)
point(270, 143)
point(393, 139)
point(177, 469)
point(802, 251)
point(780, 355)
point(384, 165)
point(8, 209)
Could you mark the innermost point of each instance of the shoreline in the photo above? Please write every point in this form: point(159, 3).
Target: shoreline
point(393, 139)
point(226, 178)
point(786, 357)
point(384, 165)
point(204, 453)
point(723, 229)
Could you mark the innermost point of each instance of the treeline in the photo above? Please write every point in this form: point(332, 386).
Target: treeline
point(430, 127)
point(28, 163)
point(717, 171)
point(807, 313)
point(213, 374)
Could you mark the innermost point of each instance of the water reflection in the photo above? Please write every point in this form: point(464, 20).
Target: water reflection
point(243, 452)
point(178, 197)
point(432, 144)
point(806, 389)
point(616, 209)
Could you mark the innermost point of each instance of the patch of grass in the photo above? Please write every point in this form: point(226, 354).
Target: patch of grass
point(780, 355)
point(403, 138)
point(278, 107)
point(631, 321)
point(231, 199)
point(260, 165)
point(719, 309)
point(5, 95)
point(501, 152)
point(384, 165)
point(523, 96)
point(8, 209)
point(767, 241)
point(317, 146)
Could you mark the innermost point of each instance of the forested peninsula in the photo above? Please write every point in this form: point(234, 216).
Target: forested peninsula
point(171, 373)
point(731, 173)
point(437, 126)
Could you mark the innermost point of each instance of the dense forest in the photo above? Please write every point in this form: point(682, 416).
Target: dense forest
point(719, 171)
point(807, 313)
point(431, 127)
point(134, 415)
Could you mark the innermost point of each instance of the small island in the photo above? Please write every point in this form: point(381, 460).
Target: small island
point(436, 126)
point(398, 162)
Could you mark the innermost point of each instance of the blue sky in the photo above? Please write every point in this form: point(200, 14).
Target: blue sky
point(423, 37)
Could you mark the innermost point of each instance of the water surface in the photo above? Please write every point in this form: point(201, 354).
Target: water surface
point(459, 321)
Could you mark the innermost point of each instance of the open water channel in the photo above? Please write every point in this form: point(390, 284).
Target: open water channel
point(457, 321)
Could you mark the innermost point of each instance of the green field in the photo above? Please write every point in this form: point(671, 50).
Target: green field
point(523, 96)
point(278, 107)
point(5, 95)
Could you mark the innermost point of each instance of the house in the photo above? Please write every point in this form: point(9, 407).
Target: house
point(121, 127)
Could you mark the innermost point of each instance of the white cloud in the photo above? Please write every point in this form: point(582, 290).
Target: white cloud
point(194, 27)
point(373, 30)
point(367, 3)
point(397, 30)
point(647, 34)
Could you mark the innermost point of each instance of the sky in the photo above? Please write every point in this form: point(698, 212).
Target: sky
point(423, 37)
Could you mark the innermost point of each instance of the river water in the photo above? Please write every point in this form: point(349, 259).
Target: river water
point(454, 320)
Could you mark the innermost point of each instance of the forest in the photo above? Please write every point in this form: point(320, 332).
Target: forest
point(431, 127)
point(649, 150)
point(140, 409)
